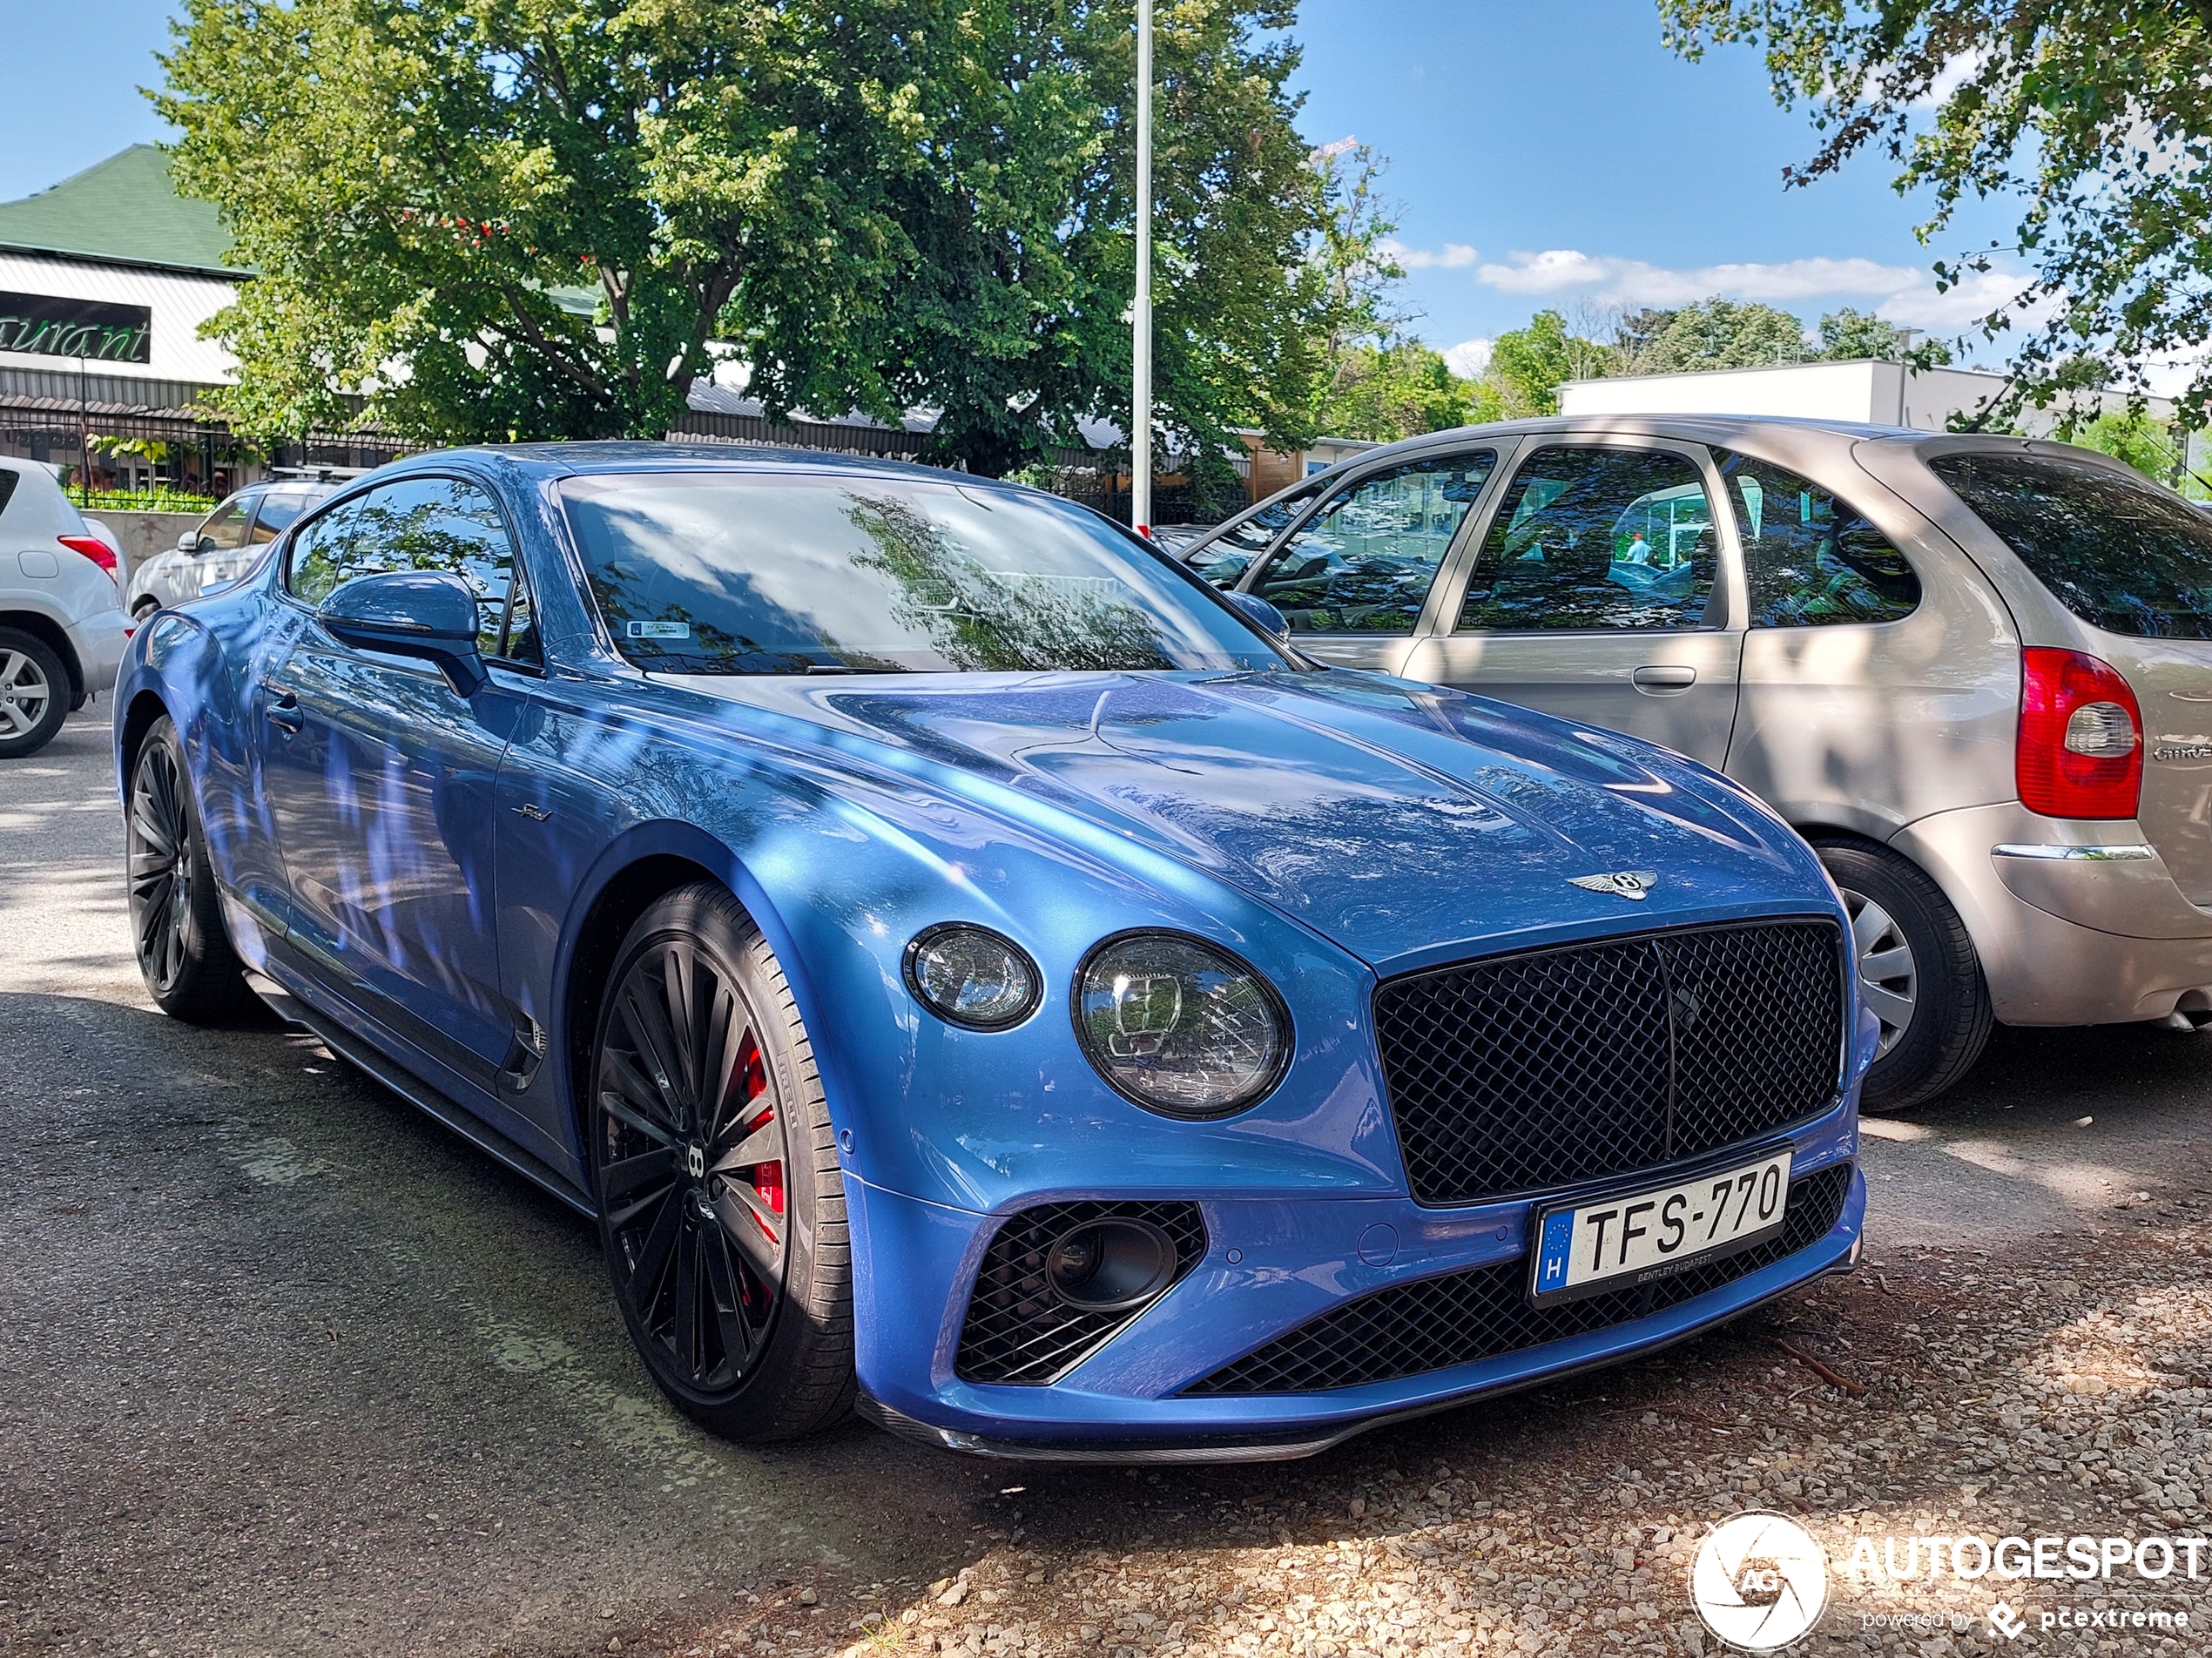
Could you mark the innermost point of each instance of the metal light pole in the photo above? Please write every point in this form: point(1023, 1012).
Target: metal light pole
point(1140, 490)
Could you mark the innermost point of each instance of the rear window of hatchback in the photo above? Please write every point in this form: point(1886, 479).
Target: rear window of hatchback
point(2118, 552)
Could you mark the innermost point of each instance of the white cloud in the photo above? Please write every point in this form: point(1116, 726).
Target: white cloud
point(1469, 358)
point(1947, 312)
point(1451, 256)
point(1623, 281)
point(1546, 273)
point(1952, 76)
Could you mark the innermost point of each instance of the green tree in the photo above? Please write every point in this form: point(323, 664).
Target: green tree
point(2093, 114)
point(1850, 333)
point(1722, 333)
point(1528, 365)
point(1014, 316)
point(1398, 389)
point(527, 218)
point(2131, 436)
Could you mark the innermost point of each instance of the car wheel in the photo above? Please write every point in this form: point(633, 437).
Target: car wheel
point(144, 609)
point(721, 1207)
point(176, 918)
point(1918, 970)
point(34, 693)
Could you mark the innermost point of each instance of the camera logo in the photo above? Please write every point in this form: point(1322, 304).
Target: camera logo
point(1760, 1581)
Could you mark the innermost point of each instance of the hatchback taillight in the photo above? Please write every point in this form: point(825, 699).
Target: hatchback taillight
point(94, 548)
point(2080, 751)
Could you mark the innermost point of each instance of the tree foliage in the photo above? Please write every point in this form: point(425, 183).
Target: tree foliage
point(1723, 334)
point(527, 218)
point(1013, 317)
point(2095, 114)
point(1400, 389)
point(1528, 367)
point(1850, 334)
point(530, 217)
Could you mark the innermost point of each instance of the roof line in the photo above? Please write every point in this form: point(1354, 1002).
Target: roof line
point(72, 257)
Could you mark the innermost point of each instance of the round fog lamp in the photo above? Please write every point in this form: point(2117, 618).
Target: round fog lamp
point(1109, 1265)
point(969, 975)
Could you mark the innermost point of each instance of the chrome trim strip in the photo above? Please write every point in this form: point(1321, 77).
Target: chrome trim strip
point(2116, 854)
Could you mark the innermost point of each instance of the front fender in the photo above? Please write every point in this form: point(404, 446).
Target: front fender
point(841, 870)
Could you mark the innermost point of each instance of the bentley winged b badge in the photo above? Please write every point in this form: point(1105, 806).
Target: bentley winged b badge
point(1621, 883)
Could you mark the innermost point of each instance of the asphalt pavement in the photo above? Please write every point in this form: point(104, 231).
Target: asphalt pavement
point(286, 1367)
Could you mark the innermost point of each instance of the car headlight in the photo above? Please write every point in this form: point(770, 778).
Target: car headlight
point(969, 975)
point(1180, 1025)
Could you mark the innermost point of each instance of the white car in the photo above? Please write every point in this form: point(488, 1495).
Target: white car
point(223, 545)
point(62, 625)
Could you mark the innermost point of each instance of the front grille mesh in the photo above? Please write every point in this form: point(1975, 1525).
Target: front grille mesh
point(1018, 1329)
point(1434, 1324)
point(1532, 1071)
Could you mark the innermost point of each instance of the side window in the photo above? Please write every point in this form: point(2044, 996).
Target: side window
point(278, 508)
point(316, 557)
point(1223, 560)
point(1596, 538)
point(414, 524)
point(226, 526)
point(1363, 563)
point(522, 645)
point(1812, 560)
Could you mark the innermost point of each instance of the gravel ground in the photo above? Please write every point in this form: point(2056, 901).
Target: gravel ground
point(1938, 1392)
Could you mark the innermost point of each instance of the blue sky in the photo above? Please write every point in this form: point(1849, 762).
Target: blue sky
point(1544, 154)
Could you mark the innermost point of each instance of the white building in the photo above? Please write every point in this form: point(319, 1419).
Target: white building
point(1875, 394)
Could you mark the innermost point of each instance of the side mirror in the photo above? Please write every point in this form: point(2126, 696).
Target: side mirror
point(430, 614)
point(190, 542)
point(1259, 609)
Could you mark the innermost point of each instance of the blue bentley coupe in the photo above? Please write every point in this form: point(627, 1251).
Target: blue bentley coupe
point(966, 966)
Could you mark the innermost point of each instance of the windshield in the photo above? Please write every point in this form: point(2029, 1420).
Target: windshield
point(2117, 553)
point(769, 573)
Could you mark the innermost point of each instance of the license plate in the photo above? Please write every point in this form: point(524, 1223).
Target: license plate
point(1630, 1238)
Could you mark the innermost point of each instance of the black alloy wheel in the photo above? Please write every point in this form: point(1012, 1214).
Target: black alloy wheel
point(710, 1145)
point(176, 916)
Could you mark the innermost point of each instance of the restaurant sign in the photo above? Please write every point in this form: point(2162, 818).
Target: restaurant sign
point(50, 327)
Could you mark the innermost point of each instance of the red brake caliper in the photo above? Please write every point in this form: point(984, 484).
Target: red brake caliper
point(767, 1177)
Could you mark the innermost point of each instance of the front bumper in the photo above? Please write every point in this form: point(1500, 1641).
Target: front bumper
point(1293, 1260)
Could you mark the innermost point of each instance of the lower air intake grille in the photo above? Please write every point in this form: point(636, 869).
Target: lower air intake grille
point(1523, 1073)
point(1017, 1329)
point(1434, 1324)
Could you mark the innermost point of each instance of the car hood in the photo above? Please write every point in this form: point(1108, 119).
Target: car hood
point(1399, 820)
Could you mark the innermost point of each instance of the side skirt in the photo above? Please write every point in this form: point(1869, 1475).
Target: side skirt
point(467, 1124)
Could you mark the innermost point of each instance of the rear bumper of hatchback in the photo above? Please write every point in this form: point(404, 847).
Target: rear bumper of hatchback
point(1270, 1270)
point(2076, 923)
point(99, 640)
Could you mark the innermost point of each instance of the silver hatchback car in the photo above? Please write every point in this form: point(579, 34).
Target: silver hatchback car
point(1976, 673)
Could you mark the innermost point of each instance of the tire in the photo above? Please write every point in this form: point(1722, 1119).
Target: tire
point(723, 1223)
point(1917, 970)
point(177, 929)
point(144, 609)
point(35, 696)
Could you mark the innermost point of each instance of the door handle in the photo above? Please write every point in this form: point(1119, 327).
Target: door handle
point(1664, 678)
point(283, 712)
